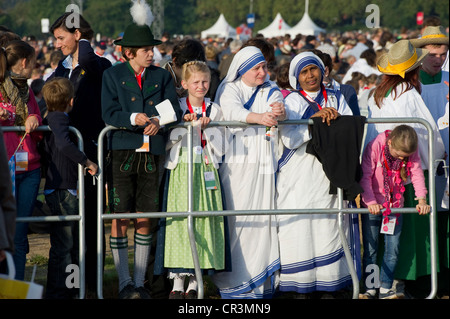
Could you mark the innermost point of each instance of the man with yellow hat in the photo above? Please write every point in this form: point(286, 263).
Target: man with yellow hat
point(432, 77)
point(434, 82)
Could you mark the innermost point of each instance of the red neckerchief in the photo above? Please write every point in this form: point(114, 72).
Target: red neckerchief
point(324, 92)
point(139, 78)
point(191, 109)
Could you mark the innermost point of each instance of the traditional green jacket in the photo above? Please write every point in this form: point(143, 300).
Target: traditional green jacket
point(122, 96)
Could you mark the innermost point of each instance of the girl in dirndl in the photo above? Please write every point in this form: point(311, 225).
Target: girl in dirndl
point(173, 239)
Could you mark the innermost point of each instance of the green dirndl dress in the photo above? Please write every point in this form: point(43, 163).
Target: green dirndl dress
point(209, 231)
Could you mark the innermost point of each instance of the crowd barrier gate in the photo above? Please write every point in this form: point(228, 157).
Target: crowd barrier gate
point(81, 215)
point(190, 214)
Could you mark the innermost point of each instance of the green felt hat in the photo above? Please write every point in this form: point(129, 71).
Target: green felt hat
point(136, 36)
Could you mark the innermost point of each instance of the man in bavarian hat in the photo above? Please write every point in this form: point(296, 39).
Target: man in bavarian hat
point(434, 82)
point(130, 92)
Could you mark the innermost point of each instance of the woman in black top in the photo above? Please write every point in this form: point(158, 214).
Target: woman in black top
point(85, 70)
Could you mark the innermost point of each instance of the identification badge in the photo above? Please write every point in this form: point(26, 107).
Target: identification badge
point(145, 145)
point(210, 180)
point(388, 225)
point(198, 150)
point(21, 161)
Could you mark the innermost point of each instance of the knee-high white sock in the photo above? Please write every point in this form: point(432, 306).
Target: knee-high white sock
point(193, 284)
point(141, 256)
point(119, 249)
point(178, 282)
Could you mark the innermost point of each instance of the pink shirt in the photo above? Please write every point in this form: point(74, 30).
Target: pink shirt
point(372, 167)
point(12, 139)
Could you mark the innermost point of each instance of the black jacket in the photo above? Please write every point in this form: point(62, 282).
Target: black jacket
point(61, 153)
point(86, 115)
point(338, 148)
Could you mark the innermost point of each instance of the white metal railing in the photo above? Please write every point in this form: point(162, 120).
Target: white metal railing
point(190, 214)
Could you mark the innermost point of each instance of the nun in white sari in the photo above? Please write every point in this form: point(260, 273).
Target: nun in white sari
point(248, 176)
point(311, 252)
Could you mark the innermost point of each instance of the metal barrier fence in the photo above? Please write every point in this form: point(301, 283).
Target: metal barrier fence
point(190, 214)
point(81, 215)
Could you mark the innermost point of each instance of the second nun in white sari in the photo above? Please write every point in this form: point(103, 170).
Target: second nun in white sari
point(311, 252)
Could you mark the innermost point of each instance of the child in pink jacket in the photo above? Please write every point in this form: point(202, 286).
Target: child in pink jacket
point(389, 161)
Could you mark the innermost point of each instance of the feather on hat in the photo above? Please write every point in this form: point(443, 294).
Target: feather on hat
point(141, 13)
point(138, 34)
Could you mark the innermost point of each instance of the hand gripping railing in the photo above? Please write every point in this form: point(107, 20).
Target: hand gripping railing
point(190, 214)
point(81, 215)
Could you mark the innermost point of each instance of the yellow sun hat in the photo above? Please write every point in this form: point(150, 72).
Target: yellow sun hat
point(402, 58)
point(431, 35)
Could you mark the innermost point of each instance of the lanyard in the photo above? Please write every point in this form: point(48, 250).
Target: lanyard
point(191, 109)
point(20, 143)
point(324, 92)
point(391, 187)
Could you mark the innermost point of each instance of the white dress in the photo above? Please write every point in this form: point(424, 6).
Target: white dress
point(409, 104)
point(248, 182)
point(311, 251)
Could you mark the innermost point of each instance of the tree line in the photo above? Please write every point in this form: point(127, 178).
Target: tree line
point(110, 17)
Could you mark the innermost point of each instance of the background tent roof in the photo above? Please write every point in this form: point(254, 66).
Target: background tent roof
point(277, 28)
point(306, 26)
point(220, 29)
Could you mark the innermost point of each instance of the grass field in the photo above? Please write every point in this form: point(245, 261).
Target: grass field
point(38, 259)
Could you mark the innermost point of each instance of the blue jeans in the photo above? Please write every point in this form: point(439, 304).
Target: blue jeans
point(371, 233)
point(27, 187)
point(64, 243)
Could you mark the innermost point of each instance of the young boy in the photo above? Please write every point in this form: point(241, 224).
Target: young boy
point(130, 92)
point(63, 157)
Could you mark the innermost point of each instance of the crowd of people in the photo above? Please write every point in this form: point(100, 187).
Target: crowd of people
point(130, 81)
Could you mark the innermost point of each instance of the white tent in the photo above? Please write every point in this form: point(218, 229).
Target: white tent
point(220, 29)
point(306, 26)
point(277, 28)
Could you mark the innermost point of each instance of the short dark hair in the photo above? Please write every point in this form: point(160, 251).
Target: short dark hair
point(133, 51)
point(37, 85)
point(57, 93)
point(188, 50)
point(6, 37)
point(283, 76)
point(84, 27)
point(266, 48)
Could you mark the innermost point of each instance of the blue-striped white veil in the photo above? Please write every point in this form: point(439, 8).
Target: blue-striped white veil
point(243, 61)
point(301, 61)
